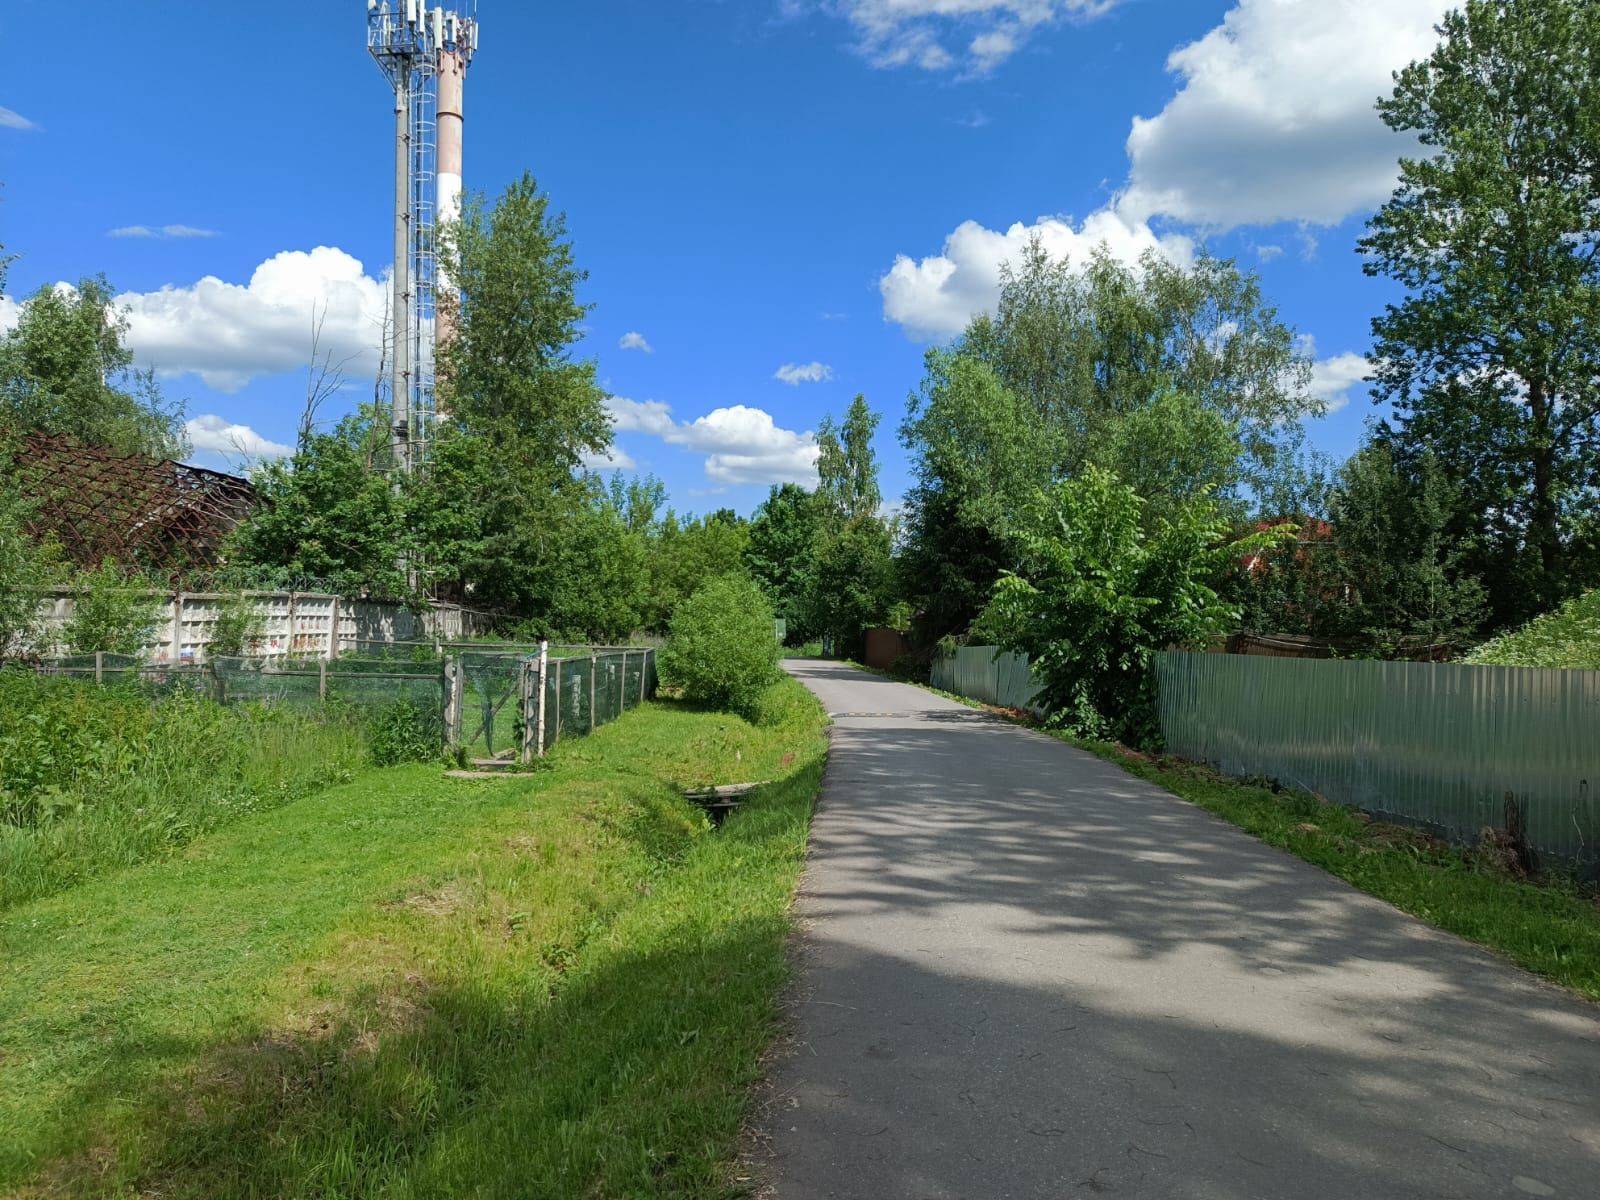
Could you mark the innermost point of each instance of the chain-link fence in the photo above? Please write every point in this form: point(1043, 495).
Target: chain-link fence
point(505, 703)
point(517, 706)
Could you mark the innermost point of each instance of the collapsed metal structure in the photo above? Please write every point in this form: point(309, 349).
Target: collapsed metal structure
point(163, 516)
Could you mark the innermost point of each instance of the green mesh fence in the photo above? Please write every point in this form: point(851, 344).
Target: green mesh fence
point(491, 713)
point(585, 692)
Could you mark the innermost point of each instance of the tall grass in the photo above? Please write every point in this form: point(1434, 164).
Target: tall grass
point(94, 778)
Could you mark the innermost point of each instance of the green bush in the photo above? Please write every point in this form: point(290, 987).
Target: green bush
point(1098, 597)
point(721, 650)
point(405, 732)
point(112, 611)
point(1568, 637)
point(93, 778)
point(239, 627)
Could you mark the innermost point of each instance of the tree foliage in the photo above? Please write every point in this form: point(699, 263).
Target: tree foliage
point(65, 368)
point(1492, 359)
point(780, 555)
point(1180, 380)
point(1098, 595)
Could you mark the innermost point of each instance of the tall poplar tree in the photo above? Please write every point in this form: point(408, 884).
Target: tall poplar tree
point(1492, 359)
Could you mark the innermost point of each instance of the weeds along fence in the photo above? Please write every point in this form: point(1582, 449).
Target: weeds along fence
point(514, 703)
point(987, 674)
point(517, 706)
point(1448, 747)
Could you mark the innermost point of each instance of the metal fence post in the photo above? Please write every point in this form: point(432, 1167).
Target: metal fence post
point(322, 680)
point(594, 667)
point(544, 691)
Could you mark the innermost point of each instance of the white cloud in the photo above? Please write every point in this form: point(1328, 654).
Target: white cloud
point(742, 445)
point(936, 297)
point(635, 341)
point(616, 459)
point(1274, 118)
point(229, 333)
point(9, 310)
point(160, 231)
point(928, 33)
point(794, 374)
point(217, 435)
point(1333, 378)
point(11, 119)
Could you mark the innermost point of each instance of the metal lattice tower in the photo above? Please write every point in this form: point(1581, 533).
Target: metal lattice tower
point(415, 46)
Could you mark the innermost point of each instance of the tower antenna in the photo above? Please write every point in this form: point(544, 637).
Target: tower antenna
point(424, 54)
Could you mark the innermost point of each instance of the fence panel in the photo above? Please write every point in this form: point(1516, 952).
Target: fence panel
point(1437, 745)
point(989, 675)
point(584, 691)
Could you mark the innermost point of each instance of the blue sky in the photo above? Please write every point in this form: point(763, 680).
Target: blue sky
point(822, 185)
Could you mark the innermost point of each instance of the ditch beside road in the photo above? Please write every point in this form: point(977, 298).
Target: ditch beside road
point(1025, 973)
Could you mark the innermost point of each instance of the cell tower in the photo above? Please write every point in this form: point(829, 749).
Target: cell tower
point(424, 53)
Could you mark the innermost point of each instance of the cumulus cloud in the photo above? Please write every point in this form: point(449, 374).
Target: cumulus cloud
point(1273, 119)
point(11, 119)
point(930, 33)
point(217, 435)
point(160, 231)
point(9, 309)
point(1333, 378)
point(936, 296)
point(794, 374)
point(230, 333)
point(635, 341)
point(742, 445)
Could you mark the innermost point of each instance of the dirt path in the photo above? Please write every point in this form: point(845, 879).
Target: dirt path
point(1027, 974)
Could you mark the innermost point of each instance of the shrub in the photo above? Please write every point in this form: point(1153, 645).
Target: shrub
point(1099, 596)
point(721, 650)
point(238, 628)
point(113, 612)
point(405, 732)
point(1568, 637)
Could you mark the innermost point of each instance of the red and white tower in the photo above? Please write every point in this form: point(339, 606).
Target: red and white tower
point(424, 53)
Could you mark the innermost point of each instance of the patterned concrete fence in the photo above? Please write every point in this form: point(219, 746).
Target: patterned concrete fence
point(1435, 745)
point(295, 624)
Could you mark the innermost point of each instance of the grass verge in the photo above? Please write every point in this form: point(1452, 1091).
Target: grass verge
point(93, 779)
point(1548, 926)
point(552, 985)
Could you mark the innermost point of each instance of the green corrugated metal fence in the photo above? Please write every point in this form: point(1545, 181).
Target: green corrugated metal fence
point(1437, 745)
point(986, 674)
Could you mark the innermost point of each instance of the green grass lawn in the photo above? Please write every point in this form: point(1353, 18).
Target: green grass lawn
point(558, 984)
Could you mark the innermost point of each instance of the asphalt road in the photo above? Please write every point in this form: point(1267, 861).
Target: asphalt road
point(1025, 974)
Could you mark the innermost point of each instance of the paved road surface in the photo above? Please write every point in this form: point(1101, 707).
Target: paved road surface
point(1026, 974)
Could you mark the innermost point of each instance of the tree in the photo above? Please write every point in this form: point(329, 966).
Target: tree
point(1493, 357)
point(1407, 584)
point(1098, 596)
point(1180, 380)
point(979, 457)
point(847, 466)
point(329, 515)
point(25, 566)
point(852, 576)
point(65, 369)
point(683, 554)
point(781, 552)
point(1087, 346)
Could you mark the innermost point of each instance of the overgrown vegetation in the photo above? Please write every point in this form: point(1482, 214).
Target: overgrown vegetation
point(112, 612)
point(1097, 596)
point(558, 984)
point(1568, 637)
point(96, 778)
point(722, 651)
